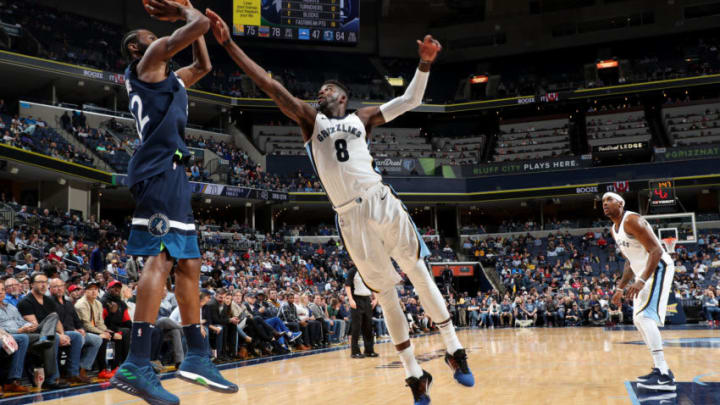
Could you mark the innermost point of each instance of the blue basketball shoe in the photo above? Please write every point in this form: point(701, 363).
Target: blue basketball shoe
point(458, 364)
point(142, 382)
point(198, 369)
point(420, 388)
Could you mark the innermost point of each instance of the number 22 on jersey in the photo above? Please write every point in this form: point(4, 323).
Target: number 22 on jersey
point(140, 121)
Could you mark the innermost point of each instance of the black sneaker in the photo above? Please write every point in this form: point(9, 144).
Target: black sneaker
point(458, 364)
point(659, 382)
point(654, 371)
point(647, 377)
point(420, 388)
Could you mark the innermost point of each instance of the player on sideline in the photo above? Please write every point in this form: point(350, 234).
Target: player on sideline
point(373, 223)
point(652, 269)
point(163, 226)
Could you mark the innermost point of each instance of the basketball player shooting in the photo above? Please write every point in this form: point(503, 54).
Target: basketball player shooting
point(652, 269)
point(163, 227)
point(373, 223)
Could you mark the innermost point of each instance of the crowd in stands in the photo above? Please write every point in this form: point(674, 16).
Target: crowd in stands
point(269, 299)
point(97, 140)
point(530, 224)
point(693, 124)
point(275, 296)
point(564, 280)
point(35, 135)
point(246, 173)
point(532, 140)
point(629, 125)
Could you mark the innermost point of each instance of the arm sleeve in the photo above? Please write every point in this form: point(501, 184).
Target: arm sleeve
point(350, 278)
point(411, 99)
point(25, 308)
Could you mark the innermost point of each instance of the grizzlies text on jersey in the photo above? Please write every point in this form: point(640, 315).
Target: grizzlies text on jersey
point(339, 152)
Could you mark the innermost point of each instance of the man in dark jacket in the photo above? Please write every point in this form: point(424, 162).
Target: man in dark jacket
point(97, 262)
point(117, 318)
point(216, 322)
point(288, 314)
point(84, 347)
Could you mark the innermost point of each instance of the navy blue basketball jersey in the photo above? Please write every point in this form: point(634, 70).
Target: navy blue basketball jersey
point(160, 111)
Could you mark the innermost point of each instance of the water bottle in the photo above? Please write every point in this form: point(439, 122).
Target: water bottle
point(110, 352)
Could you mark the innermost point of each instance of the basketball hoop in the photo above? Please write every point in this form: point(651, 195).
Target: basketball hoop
point(669, 244)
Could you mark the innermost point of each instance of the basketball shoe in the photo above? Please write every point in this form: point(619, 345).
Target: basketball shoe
point(458, 364)
point(142, 382)
point(659, 382)
point(198, 369)
point(420, 388)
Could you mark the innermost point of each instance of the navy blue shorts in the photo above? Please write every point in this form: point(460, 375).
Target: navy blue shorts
point(163, 218)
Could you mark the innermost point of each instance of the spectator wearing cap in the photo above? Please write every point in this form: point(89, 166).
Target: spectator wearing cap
point(84, 347)
point(76, 292)
point(116, 315)
point(13, 290)
point(90, 312)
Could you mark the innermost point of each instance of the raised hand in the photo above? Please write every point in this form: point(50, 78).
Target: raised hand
point(164, 10)
point(219, 27)
point(428, 48)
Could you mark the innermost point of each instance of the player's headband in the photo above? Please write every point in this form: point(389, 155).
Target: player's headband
point(614, 196)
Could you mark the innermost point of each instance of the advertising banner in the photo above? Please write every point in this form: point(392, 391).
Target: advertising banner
point(527, 166)
point(687, 152)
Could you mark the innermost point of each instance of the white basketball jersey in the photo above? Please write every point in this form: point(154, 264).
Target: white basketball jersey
point(338, 150)
point(633, 250)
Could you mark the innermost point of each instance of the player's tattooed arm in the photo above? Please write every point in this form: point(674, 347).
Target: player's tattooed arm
point(294, 108)
point(161, 50)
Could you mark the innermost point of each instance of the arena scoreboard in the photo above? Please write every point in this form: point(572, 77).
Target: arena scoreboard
point(662, 193)
point(329, 21)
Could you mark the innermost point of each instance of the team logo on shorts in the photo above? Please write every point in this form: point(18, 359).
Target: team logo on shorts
point(158, 224)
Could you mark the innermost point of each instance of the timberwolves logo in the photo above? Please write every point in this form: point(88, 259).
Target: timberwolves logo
point(158, 225)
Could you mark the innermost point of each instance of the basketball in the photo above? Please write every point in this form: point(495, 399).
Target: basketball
point(147, 2)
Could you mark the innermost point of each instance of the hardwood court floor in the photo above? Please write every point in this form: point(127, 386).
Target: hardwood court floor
point(521, 366)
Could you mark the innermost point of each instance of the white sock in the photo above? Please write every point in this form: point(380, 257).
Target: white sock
point(447, 331)
point(649, 329)
point(412, 368)
point(659, 359)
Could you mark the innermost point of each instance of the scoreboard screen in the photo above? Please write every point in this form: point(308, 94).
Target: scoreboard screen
point(662, 193)
point(329, 21)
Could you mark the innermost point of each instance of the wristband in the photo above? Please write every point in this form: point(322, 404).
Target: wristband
point(643, 281)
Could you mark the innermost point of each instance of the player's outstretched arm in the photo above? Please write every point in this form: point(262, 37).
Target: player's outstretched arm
point(428, 50)
point(291, 106)
point(161, 50)
point(201, 65)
